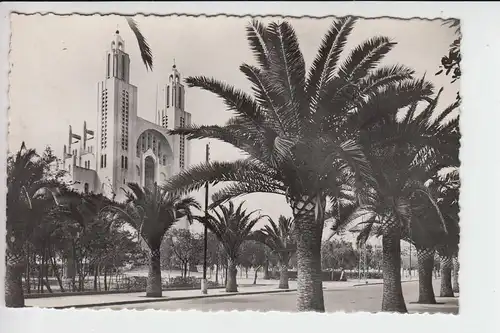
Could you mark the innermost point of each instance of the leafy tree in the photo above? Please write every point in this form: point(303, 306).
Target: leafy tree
point(186, 247)
point(27, 188)
point(338, 255)
point(151, 212)
point(232, 226)
point(253, 255)
point(282, 240)
point(299, 130)
point(450, 63)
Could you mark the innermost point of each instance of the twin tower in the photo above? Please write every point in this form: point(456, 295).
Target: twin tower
point(124, 147)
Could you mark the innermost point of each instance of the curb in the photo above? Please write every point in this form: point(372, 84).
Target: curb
point(162, 299)
point(109, 292)
point(377, 283)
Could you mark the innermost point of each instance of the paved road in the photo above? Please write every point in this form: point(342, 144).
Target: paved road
point(350, 299)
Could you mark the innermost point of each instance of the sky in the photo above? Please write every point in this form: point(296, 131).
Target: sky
point(57, 61)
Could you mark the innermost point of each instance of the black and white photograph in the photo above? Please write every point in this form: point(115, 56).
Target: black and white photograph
point(223, 163)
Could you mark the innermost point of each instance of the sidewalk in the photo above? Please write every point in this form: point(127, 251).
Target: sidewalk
point(81, 301)
point(263, 286)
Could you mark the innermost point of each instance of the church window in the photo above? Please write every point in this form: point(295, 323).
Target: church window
point(86, 188)
point(173, 97)
point(108, 66)
point(123, 162)
point(123, 67)
point(126, 162)
point(179, 97)
point(168, 96)
point(115, 65)
point(102, 161)
point(164, 159)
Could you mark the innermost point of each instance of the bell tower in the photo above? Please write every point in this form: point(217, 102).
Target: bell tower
point(174, 115)
point(117, 61)
point(117, 111)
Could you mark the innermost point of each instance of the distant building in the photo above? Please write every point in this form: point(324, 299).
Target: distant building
point(127, 148)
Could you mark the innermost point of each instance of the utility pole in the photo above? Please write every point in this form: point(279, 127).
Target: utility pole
point(204, 287)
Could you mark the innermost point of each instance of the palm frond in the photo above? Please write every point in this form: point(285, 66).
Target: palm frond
point(197, 176)
point(235, 100)
point(365, 57)
point(328, 56)
point(287, 73)
point(144, 48)
point(237, 189)
point(257, 38)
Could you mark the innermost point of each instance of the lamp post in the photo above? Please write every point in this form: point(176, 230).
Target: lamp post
point(204, 287)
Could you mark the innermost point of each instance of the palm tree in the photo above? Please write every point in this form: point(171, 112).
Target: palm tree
point(151, 212)
point(26, 185)
point(146, 53)
point(281, 239)
point(402, 153)
point(232, 226)
point(299, 130)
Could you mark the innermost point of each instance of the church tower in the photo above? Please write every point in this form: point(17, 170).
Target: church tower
point(117, 111)
point(174, 115)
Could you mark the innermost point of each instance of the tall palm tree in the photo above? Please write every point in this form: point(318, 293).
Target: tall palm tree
point(232, 226)
point(299, 129)
point(151, 212)
point(402, 152)
point(144, 48)
point(281, 239)
point(26, 185)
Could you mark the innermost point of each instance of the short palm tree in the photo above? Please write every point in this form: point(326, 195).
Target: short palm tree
point(299, 129)
point(232, 226)
point(26, 186)
point(151, 212)
point(281, 239)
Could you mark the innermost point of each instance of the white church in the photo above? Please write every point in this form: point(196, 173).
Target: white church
point(126, 148)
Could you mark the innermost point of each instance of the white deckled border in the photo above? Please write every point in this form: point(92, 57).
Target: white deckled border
point(479, 306)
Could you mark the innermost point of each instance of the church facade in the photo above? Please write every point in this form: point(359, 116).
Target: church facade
point(124, 147)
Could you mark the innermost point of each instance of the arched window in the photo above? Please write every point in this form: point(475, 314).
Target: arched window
point(86, 188)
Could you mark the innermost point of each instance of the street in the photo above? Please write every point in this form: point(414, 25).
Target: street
point(350, 299)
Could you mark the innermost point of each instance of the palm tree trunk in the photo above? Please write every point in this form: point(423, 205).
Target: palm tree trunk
point(309, 231)
point(14, 294)
point(153, 288)
point(392, 297)
point(283, 277)
point(231, 286)
point(456, 269)
point(425, 266)
point(446, 268)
